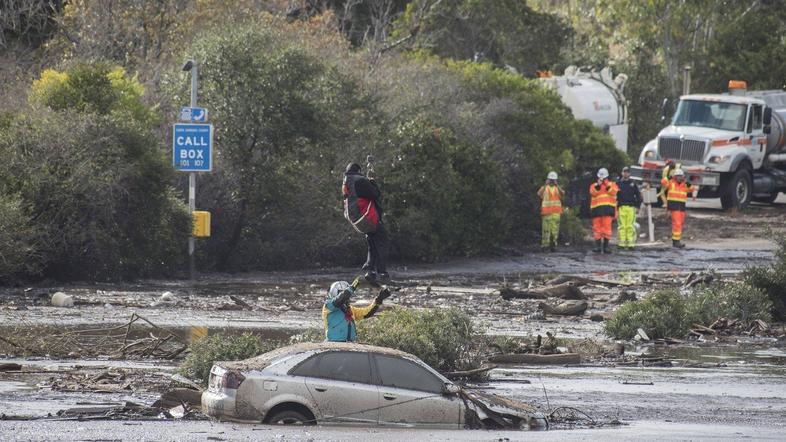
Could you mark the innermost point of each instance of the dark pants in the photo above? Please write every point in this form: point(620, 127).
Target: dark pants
point(377, 250)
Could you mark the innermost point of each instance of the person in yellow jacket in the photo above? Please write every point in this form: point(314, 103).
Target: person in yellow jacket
point(603, 209)
point(551, 195)
point(340, 317)
point(676, 190)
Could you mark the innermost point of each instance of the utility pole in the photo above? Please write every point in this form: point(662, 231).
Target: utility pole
point(192, 66)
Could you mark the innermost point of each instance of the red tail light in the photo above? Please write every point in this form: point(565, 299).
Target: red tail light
point(233, 379)
point(221, 378)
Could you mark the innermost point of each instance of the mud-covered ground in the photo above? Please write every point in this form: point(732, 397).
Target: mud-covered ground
point(735, 391)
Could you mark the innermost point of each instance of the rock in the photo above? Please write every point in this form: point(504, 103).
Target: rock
point(641, 335)
point(60, 299)
point(10, 366)
point(597, 317)
point(167, 297)
point(564, 309)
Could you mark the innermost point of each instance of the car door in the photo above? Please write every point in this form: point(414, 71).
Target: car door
point(341, 386)
point(756, 139)
point(410, 394)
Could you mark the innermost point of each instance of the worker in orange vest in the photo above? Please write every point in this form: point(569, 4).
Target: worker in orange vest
point(677, 191)
point(603, 209)
point(550, 211)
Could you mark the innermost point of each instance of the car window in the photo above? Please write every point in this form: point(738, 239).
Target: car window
point(402, 373)
point(348, 366)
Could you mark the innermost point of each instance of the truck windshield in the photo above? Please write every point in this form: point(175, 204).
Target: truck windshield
point(725, 116)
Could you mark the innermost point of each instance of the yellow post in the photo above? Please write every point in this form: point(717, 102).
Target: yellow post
point(201, 223)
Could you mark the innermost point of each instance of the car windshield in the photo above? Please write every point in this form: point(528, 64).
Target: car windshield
point(714, 114)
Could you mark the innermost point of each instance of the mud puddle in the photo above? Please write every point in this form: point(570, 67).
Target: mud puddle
point(45, 386)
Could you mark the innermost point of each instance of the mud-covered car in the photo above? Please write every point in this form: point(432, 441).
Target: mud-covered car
point(347, 383)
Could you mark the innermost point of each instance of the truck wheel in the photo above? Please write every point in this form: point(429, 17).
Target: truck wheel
point(769, 199)
point(736, 190)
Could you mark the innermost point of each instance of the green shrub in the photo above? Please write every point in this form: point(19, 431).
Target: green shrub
point(203, 353)
point(443, 338)
point(99, 192)
point(771, 280)
point(310, 335)
point(443, 197)
point(736, 299)
point(667, 313)
point(660, 314)
point(19, 254)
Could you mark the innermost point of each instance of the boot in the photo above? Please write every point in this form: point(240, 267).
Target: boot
point(606, 248)
point(676, 243)
point(597, 246)
point(553, 245)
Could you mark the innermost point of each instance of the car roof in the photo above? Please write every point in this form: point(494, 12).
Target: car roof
point(264, 360)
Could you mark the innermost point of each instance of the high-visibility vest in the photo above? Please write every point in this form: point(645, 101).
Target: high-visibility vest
point(676, 193)
point(603, 201)
point(552, 202)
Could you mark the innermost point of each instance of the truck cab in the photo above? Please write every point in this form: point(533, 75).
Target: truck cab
point(723, 143)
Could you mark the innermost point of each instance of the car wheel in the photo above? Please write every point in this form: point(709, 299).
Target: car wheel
point(290, 417)
point(736, 191)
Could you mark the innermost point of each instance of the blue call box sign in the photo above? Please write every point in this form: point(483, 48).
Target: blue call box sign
point(193, 114)
point(192, 147)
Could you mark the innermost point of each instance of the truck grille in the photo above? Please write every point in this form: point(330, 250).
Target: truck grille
point(685, 150)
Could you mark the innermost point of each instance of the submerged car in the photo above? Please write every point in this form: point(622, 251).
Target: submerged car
point(348, 383)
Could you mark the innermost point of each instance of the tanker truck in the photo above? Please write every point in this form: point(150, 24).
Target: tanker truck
point(730, 145)
point(596, 97)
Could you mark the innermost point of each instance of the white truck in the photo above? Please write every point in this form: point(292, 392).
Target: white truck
point(594, 96)
point(731, 145)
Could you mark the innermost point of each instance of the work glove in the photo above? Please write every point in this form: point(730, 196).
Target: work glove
point(382, 295)
point(597, 186)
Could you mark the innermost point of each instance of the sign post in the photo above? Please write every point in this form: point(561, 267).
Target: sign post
point(650, 196)
point(192, 149)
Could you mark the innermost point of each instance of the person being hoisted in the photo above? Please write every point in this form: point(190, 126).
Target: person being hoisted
point(550, 211)
point(340, 317)
point(603, 207)
point(628, 202)
point(677, 191)
point(363, 209)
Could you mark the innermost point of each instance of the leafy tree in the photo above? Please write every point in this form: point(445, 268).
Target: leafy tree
point(94, 180)
point(19, 248)
point(285, 123)
point(748, 45)
point(93, 88)
point(504, 32)
point(444, 197)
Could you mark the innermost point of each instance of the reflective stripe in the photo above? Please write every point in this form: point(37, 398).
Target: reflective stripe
point(677, 192)
point(606, 196)
point(551, 201)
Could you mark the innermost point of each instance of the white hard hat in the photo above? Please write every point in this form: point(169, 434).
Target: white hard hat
point(552, 176)
point(679, 172)
point(603, 173)
point(336, 288)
